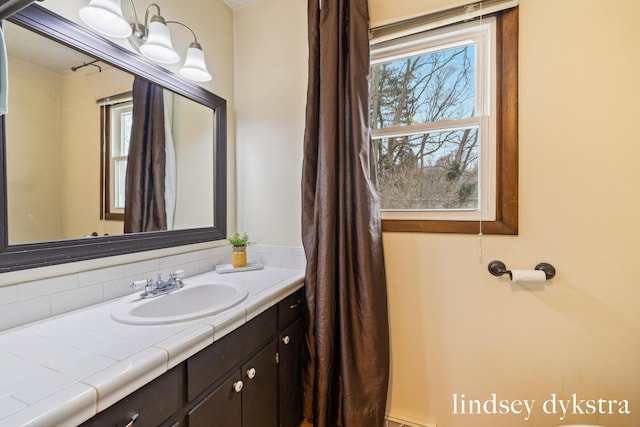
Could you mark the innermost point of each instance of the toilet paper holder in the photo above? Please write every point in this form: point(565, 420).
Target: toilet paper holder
point(498, 268)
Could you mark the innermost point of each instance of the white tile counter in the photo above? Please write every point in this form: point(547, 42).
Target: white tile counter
point(63, 370)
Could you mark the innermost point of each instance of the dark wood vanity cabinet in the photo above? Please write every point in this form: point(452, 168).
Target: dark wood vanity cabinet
point(255, 404)
point(248, 378)
point(152, 405)
point(259, 396)
point(289, 375)
point(289, 352)
point(249, 389)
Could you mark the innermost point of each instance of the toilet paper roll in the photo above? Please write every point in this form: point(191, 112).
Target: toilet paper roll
point(528, 276)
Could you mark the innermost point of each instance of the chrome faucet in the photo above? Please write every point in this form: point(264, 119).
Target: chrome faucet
point(159, 287)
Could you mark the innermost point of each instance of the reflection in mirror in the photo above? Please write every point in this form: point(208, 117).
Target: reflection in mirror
point(51, 172)
point(57, 177)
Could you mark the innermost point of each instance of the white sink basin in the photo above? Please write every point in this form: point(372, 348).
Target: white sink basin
point(190, 302)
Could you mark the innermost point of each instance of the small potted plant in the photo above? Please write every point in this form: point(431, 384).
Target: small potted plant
point(239, 242)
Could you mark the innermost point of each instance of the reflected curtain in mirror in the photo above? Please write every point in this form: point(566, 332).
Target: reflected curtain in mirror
point(144, 201)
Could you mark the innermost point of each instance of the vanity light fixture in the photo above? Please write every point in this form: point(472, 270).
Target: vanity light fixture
point(152, 38)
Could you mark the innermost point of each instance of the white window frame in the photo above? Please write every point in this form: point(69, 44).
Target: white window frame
point(482, 33)
point(116, 112)
point(110, 109)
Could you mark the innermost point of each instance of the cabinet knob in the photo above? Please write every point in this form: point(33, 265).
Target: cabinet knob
point(237, 386)
point(286, 339)
point(251, 373)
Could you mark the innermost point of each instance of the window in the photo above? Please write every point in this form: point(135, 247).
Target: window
point(116, 133)
point(443, 112)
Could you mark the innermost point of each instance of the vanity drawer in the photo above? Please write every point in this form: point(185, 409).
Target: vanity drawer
point(154, 403)
point(211, 364)
point(290, 308)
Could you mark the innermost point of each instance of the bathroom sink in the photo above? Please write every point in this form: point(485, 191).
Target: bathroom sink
point(190, 302)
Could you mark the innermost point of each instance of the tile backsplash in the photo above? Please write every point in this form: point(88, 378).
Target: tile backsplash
point(38, 299)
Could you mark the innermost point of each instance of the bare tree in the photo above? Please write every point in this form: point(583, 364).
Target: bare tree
point(426, 170)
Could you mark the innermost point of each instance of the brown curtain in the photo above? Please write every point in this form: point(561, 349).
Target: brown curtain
point(346, 372)
point(144, 193)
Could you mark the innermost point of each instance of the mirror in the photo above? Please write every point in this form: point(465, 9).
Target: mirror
point(54, 169)
point(61, 78)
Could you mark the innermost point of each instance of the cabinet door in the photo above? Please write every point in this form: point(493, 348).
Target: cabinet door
point(260, 392)
point(289, 372)
point(221, 408)
point(216, 361)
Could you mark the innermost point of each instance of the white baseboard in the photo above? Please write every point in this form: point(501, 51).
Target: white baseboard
point(398, 420)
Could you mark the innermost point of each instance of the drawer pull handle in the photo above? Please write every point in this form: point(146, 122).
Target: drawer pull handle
point(237, 386)
point(133, 419)
point(296, 305)
point(251, 373)
point(286, 340)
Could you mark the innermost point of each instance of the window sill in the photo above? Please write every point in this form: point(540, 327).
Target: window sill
point(456, 227)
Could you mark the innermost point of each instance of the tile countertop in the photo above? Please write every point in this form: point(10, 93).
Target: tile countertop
point(63, 370)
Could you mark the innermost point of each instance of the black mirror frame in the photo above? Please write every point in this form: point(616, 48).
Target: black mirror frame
point(40, 254)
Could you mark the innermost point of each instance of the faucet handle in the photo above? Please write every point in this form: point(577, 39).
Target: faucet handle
point(138, 283)
point(178, 274)
point(150, 286)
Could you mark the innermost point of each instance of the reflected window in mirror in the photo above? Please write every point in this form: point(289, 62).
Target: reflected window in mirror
point(115, 132)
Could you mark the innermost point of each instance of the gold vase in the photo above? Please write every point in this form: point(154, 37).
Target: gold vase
point(239, 257)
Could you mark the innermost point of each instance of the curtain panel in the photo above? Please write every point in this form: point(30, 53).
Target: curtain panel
point(346, 370)
point(145, 177)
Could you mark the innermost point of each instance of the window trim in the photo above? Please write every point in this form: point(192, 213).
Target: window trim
point(107, 212)
point(506, 212)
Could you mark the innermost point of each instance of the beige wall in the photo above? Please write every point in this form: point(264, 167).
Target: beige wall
point(383, 12)
point(271, 76)
point(454, 327)
point(457, 329)
point(33, 175)
point(194, 160)
point(55, 191)
point(80, 148)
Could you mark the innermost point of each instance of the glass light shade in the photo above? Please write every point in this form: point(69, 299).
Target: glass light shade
point(194, 67)
point(105, 17)
point(158, 46)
